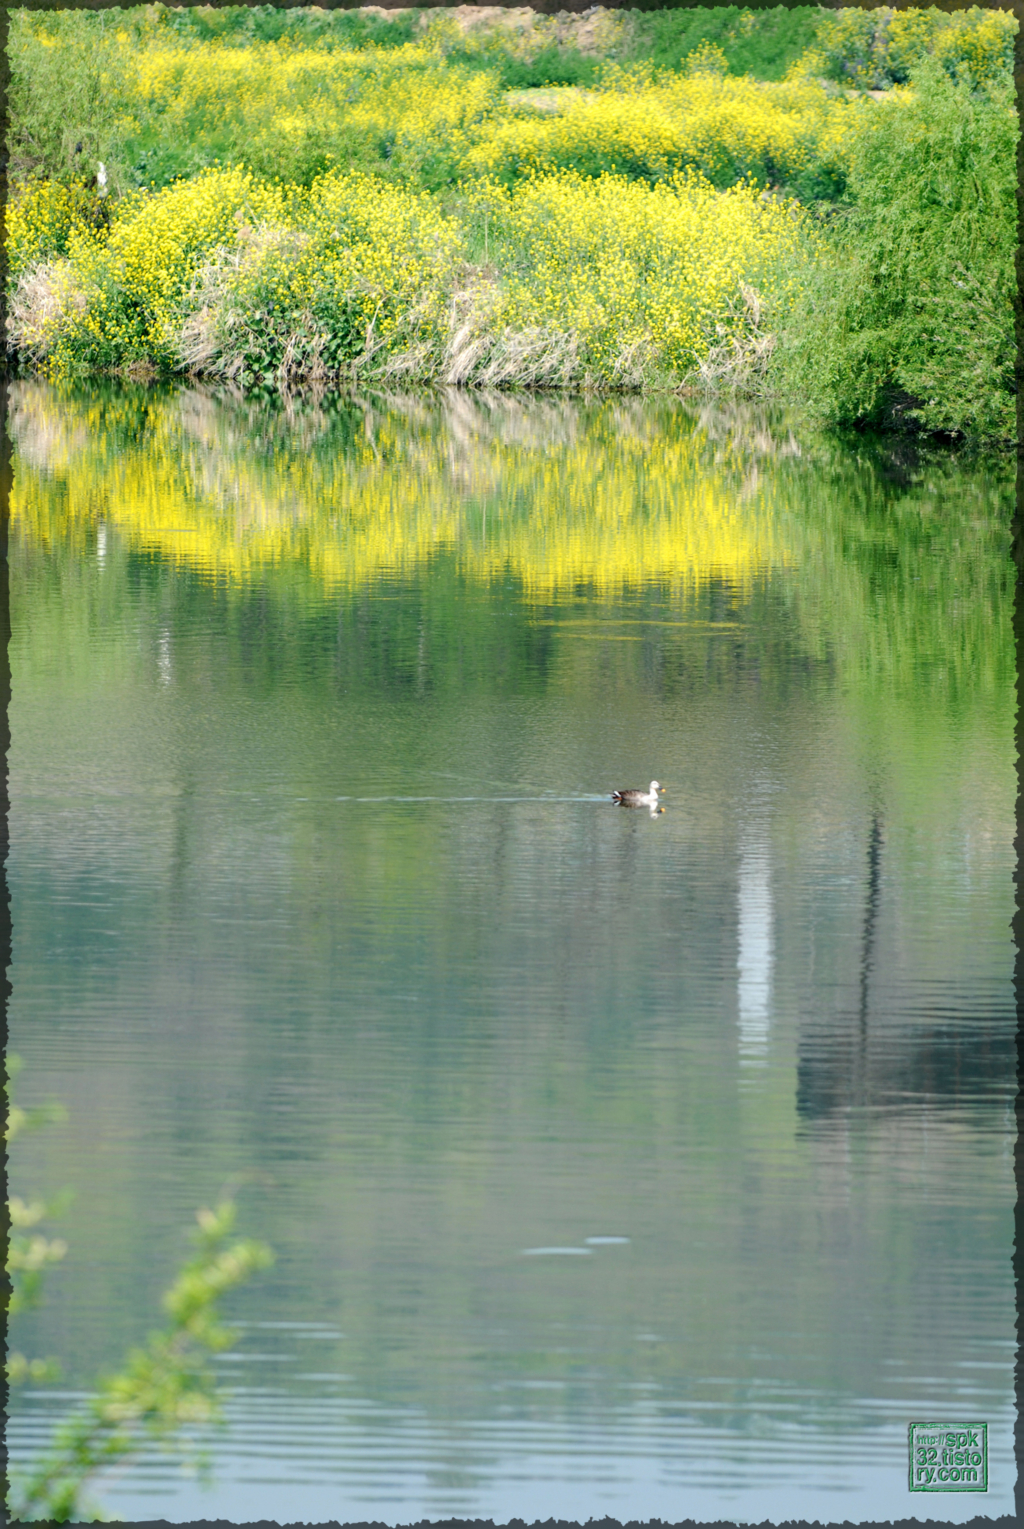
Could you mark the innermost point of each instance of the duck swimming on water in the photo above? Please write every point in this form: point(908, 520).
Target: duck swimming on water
point(638, 798)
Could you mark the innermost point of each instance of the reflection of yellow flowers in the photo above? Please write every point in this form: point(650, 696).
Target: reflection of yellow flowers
point(558, 495)
point(608, 508)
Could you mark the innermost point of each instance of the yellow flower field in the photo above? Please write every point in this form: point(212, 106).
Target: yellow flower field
point(231, 276)
point(274, 212)
point(651, 128)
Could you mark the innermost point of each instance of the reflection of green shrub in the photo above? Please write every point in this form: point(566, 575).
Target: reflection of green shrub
point(929, 527)
point(913, 313)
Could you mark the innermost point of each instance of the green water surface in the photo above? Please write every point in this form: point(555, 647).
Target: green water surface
point(616, 1163)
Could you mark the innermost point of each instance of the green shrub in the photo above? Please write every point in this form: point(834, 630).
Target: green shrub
point(762, 43)
point(912, 315)
point(551, 66)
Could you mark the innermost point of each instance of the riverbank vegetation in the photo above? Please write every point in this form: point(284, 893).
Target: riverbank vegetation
point(800, 203)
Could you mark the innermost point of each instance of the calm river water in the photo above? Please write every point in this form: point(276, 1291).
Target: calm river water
point(615, 1164)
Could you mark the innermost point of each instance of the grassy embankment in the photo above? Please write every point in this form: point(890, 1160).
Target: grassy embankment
point(311, 196)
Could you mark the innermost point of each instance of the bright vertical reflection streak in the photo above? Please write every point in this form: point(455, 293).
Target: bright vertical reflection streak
point(756, 954)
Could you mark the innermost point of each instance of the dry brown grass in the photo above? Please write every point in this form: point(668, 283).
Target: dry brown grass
point(741, 359)
point(45, 302)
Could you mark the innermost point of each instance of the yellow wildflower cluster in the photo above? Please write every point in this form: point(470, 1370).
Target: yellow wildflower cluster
point(226, 275)
point(308, 295)
point(727, 128)
point(644, 276)
point(405, 112)
point(40, 221)
point(129, 279)
point(153, 251)
point(293, 111)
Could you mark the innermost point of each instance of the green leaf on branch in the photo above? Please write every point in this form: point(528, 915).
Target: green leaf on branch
point(164, 1386)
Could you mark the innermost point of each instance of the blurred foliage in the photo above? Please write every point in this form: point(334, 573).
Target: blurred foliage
point(878, 48)
point(161, 1388)
point(29, 1256)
